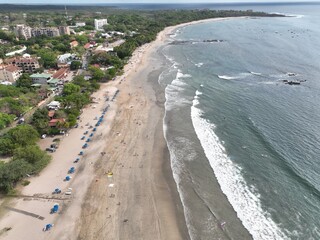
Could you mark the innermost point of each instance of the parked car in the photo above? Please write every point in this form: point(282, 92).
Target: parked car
point(54, 145)
point(50, 149)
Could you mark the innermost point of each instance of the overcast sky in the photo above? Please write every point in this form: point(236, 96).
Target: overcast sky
point(142, 1)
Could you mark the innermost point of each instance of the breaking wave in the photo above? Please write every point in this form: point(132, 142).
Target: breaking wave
point(244, 199)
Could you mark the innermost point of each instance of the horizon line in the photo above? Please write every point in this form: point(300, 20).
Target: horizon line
point(165, 3)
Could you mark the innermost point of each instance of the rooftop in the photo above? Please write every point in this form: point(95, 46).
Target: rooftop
point(12, 68)
point(41, 75)
point(53, 81)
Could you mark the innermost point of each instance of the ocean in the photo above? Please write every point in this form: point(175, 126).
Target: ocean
point(232, 122)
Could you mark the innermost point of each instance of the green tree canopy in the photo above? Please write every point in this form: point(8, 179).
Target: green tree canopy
point(70, 88)
point(75, 65)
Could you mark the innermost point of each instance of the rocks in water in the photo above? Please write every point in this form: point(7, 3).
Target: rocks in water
point(293, 82)
point(200, 41)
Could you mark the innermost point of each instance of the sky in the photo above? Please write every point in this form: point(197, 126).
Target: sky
point(140, 1)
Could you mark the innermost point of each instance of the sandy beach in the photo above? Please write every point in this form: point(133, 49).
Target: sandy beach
point(140, 199)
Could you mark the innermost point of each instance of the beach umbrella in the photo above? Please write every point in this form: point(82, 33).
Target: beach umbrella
point(88, 140)
point(94, 129)
point(68, 178)
point(91, 135)
point(85, 145)
point(55, 208)
point(83, 137)
point(77, 160)
point(47, 227)
point(86, 132)
point(81, 153)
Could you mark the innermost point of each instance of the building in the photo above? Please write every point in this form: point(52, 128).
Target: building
point(87, 46)
point(49, 31)
point(74, 44)
point(66, 59)
point(10, 73)
point(23, 31)
point(99, 23)
point(64, 30)
point(54, 105)
point(53, 83)
point(27, 63)
point(61, 73)
point(80, 24)
point(41, 78)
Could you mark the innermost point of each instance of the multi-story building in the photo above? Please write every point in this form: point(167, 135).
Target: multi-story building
point(99, 23)
point(64, 30)
point(26, 64)
point(41, 78)
point(23, 31)
point(10, 73)
point(50, 32)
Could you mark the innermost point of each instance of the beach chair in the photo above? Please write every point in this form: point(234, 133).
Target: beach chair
point(95, 129)
point(47, 227)
point(77, 160)
point(91, 135)
point(56, 191)
point(88, 140)
point(81, 153)
point(71, 170)
point(83, 137)
point(55, 208)
point(86, 132)
point(85, 145)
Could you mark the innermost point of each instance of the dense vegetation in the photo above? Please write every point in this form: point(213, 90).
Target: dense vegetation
point(19, 143)
point(17, 100)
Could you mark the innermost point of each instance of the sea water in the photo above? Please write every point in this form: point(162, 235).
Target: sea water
point(231, 117)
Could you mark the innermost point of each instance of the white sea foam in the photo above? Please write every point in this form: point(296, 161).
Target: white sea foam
point(198, 93)
point(256, 73)
point(244, 199)
point(181, 75)
point(226, 77)
point(174, 98)
point(198, 64)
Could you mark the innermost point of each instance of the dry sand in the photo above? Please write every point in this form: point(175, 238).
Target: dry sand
point(140, 200)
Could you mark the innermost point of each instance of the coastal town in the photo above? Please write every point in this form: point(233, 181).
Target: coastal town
point(81, 128)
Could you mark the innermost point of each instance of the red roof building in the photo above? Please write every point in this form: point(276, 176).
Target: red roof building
point(74, 44)
point(55, 121)
point(61, 73)
point(87, 46)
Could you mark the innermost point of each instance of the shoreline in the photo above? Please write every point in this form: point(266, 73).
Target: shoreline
point(141, 198)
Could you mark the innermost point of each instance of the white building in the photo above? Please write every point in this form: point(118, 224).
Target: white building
point(23, 31)
point(64, 30)
point(80, 24)
point(10, 73)
point(66, 59)
point(99, 23)
point(54, 105)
